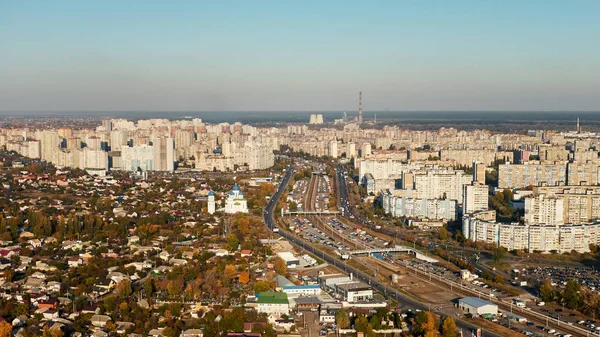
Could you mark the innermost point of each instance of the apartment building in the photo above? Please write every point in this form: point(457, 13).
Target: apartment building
point(533, 238)
point(583, 173)
point(475, 197)
point(436, 209)
point(544, 210)
point(532, 174)
point(440, 183)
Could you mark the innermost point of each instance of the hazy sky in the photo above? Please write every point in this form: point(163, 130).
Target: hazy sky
point(299, 55)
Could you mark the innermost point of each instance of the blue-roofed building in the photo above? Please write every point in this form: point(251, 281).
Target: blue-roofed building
point(477, 306)
point(212, 204)
point(304, 290)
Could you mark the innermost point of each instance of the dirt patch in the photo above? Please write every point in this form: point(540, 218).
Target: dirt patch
point(496, 328)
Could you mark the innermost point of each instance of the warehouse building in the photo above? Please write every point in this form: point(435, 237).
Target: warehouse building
point(477, 306)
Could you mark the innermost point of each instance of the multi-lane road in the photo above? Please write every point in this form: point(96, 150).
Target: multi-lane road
point(405, 301)
point(539, 318)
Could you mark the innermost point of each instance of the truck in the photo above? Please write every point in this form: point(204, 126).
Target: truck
point(519, 303)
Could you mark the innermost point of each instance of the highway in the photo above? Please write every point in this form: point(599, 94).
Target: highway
point(531, 315)
point(388, 292)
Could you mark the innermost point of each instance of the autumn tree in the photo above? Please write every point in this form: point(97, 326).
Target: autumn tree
point(5, 329)
point(449, 327)
point(123, 289)
point(175, 286)
point(342, 319)
point(229, 273)
point(361, 324)
point(280, 266)
point(244, 277)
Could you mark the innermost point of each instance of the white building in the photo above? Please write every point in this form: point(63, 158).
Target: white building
point(211, 202)
point(354, 291)
point(139, 156)
point(533, 238)
point(475, 198)
point(477, 306)
point(440, 184)
point(163, 154)
point(235, 202)
point(304, 290)
point(438, 209)
point(544, 210)
point(273, 303)
point(333, 149)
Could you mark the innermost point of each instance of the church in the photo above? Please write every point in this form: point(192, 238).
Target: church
point(235, 202)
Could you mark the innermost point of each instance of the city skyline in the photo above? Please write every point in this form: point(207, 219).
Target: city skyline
point(316, 56)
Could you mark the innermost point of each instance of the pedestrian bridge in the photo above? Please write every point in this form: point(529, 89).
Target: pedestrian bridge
point(396, 249)
point(325, 212)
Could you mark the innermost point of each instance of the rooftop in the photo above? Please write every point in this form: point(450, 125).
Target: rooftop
point(475, 302)
point(273, 297)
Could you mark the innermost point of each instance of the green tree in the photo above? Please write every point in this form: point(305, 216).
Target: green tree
point(498, 254)
point(261, 286)
point(232, 242)
point(546, 292)
point(572, 295)
point(149, 287)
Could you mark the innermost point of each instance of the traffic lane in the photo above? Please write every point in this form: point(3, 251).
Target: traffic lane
point(269, 221)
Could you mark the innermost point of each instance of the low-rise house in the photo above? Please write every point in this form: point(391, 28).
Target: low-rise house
point(188, 254)
point(50, 314)
point(246, 253)
point(100, 320)
point(35, 243)
point(91, 309)
point(249, 326)
point(50, 303)
point(75, 261)
point(122, 327)
point(192, 333)
point(155, 333)
point(178, 262)
point(38, 275)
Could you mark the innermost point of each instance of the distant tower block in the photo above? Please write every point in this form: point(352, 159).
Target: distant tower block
point(319, 119)
point(578, 127)
point(360, 117)
point(479, 172)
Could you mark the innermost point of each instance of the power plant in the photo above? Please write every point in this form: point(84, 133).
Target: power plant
point(315, 119)
point(360, 117)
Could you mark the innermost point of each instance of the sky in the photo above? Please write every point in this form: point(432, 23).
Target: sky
point(299, 55)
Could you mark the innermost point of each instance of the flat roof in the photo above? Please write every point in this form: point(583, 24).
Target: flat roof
point(302, 287)
point(475, 302)
point(273, 297)
point(354, 286)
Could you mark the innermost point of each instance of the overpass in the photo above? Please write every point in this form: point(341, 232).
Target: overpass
point(396, 249)
point(324, 212)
